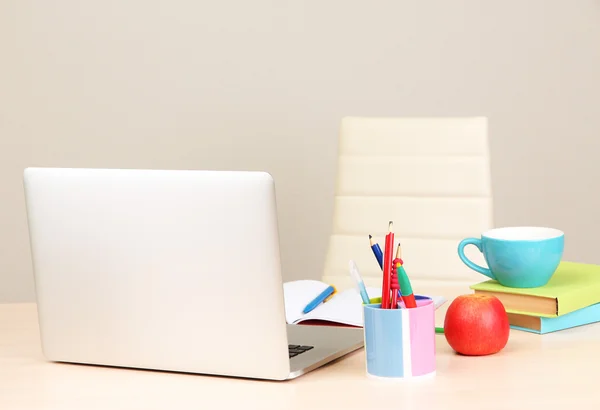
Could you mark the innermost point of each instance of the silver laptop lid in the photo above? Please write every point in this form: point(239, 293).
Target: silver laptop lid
point(171, 270)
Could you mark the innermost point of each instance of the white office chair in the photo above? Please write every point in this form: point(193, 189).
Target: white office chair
point(431, 177)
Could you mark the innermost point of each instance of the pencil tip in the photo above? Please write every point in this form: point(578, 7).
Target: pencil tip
point(399, 251)
point(370, 236)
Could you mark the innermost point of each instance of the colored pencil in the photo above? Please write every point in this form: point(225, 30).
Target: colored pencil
point(405, 287)
point(395, 284)
point(387, 267)
point(399, 251)
point(377, 252)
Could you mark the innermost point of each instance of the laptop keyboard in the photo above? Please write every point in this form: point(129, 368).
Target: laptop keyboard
point(295, 350)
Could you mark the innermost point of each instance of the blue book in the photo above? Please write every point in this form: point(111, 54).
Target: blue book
point(542, 325)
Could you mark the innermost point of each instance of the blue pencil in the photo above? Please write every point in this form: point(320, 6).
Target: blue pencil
point(377, 252)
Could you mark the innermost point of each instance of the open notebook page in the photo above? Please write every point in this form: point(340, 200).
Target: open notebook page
point(346, 307)
point(298, 294)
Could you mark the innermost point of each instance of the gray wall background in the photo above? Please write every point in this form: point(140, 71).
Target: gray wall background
point(263, 85)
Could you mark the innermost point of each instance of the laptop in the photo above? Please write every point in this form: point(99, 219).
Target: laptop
point(173, 270)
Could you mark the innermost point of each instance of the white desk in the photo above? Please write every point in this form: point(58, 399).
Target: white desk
point(533, 371)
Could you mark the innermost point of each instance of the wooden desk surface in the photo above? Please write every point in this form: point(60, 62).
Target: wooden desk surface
point(532, 372)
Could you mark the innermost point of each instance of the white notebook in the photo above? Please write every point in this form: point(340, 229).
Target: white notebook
point(343, 308)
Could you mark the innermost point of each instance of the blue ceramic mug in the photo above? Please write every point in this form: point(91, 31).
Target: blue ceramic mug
point(517, 257)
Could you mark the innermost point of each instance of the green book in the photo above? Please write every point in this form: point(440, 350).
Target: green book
point(572, 287)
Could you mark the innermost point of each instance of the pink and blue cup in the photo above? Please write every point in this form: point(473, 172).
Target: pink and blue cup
point(400, 343)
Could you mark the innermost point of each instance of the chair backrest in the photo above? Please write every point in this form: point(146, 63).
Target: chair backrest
point(430, 176)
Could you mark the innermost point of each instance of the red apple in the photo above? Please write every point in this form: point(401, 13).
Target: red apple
point(476, 325)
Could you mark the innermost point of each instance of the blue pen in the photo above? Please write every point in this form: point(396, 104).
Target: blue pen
point(319, 299)
point(360, 284)
point(377, 252)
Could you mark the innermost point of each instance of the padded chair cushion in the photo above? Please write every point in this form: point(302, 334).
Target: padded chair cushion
point(430, 176)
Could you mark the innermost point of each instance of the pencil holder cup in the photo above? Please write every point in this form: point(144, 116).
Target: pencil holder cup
point(400, 343)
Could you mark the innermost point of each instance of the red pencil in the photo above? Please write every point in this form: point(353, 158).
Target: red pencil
point(388, 257)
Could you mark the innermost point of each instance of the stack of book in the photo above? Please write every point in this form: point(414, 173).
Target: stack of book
point(571, 298)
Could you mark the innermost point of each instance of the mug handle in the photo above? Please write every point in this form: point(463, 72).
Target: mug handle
point(466, 261)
